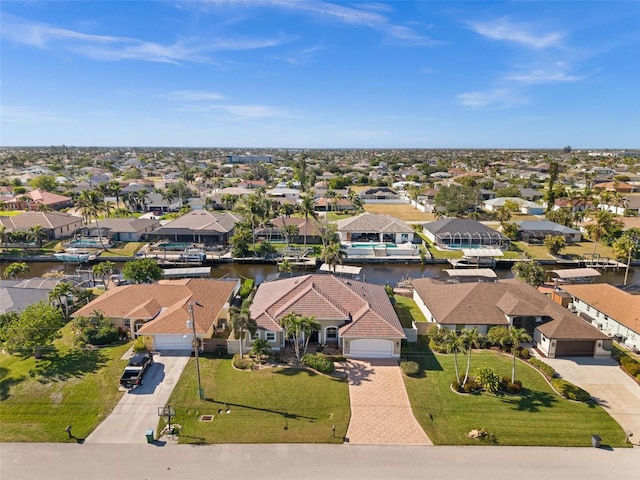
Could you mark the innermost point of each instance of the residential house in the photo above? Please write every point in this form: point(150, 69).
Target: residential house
point(610, 309)
point(535, 231)
point(162, 312)
point(200, 226)
point(309, 227)
point(459, 233)
point(614, 186)
point(354, 316)
point(524, 206)
point(510, 303)
point(122, 229)
point(55, 224)
point(379, 194)
point(371, 227)
point(629, 206)
point(16, 295)
point(37, 199)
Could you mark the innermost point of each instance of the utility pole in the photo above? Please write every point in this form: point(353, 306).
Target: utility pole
point(195, 347)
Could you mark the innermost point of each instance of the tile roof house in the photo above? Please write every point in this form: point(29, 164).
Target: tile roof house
point(610, 309)
point(511, 303)
point(630, 206)
point(525, 206)
point(371, 227)
point(55, 224)
point(448, 233)
point(356, 316)
point(199, 226)
point(159, 312)
point(309, 227)
point(35, 198)
point(122, 229)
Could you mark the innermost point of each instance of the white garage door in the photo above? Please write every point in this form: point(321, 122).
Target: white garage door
point(372, 348)
point(172, 342)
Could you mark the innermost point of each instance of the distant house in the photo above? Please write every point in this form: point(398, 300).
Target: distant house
point(459, 233)
point(16, 295)
point(55, 224)
point(535, 231)
point(161, 312)
point(370, 227)
point(575, 204)
point(615, 186)
point(309, 227)
point(378, 194)
point(122, 229)
point(200, 226)
point(612, 310)
point(630, 206)
point(355, 316)
point(510, 303)
point(525, 206)
point(36, 199)
point(249, 158)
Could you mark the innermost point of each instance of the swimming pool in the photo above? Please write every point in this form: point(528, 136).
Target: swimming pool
point(372, 245)
point(176, 245)
point(88, 242)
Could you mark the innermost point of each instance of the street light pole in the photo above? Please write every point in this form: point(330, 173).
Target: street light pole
point(195, 347)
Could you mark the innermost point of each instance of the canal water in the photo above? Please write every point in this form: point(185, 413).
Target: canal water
point(374, 273)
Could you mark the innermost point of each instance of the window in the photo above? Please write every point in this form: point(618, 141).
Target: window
point(271, 337)
point(256, 336)
point(332, 333)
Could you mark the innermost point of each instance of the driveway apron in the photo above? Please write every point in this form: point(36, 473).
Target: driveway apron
point(137, 411)
point(380, 408)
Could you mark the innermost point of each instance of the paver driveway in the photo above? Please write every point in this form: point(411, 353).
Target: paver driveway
point(604, 380)
point(137, 411)
point(380, 408)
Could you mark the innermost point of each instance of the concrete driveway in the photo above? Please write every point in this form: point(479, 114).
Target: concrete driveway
point(605, 381)
point(380, 409)
point(137, 411)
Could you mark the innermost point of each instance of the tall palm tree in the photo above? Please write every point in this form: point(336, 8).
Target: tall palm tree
point(167, 195)
point(3, 235)
point(332, 254)
point(605, 224)
point(307, 206)
point(91, 203)
point(240, 322)
point(285, 266)
point(514, 337)
point(115, 189)
point(60, 295)
point(15, 269)
point(470, 339)
point(104, 270)
point(454, 344)
point(37, 235)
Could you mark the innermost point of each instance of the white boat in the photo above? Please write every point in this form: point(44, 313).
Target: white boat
point(193, 255)
point(72, 255)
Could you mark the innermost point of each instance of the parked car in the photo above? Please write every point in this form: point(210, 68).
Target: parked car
point(133, 375)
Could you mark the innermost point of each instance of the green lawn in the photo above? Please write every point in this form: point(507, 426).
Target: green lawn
point(536, 417)
point(576, 250)
point(272, 405)
point(407, 311)
point(127, 249)
point(70, 386)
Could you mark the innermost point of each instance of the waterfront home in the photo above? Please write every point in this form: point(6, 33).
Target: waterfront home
point(122, 229)
point(535, 231)
point(459, 233)
point(56, 225)
point(371, 227)
point(36, 199)
point(199, 226)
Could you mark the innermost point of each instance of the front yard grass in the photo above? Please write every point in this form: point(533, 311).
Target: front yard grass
point(407, 311)
point(69, 386)
point(127, 249)
point(272, 405)
point(536, 417)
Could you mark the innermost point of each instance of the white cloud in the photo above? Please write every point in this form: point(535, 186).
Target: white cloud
point(497, 98)
point(26, 115)
point(558, 72)
point(520, 33)
point(193, 95)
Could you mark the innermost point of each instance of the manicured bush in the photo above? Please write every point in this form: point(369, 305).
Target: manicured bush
point(524, 353)
point(101, 335)
point(631, 365)
point(242, 363)
point(506, 385)
point(319, 362)
point(471, 386)
point(570, 391)
point(488, 377)
point(139, 346)
point(543, 367)
point(410, 368)
point(437, 347)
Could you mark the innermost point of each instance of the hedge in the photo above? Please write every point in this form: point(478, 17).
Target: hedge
point(543, 367)
point(570, 391)
point(319, 362)
point(410, 368)
point(631, 365)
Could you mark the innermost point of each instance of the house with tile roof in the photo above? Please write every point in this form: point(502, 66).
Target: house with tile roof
point(355, 316)
point(613, 311)
point(372, 227)
point(199, 226)
point(510, 303)
point(160, 312)
point(34, 199)
point(458, 233)
point(55, 224)
point(129, 229)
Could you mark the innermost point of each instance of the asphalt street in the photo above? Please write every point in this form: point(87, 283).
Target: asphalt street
point(302, 461)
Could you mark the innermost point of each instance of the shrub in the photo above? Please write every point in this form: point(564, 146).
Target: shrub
point(410, 369)
point(506, 385)
point(570, 391)
point(471, 386)
point(631, 365)
point(101, 335)
point(242, 363)
point(496, 334)
point(139, 346)
point(543, 367)
point(437, 347)
point(524, 353)
point(488, 377)
point(246, 288)
point(319, 362)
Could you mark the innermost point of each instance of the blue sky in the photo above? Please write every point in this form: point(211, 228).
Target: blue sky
point(303, 74)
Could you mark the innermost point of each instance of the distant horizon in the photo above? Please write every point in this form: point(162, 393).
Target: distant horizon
point(321, 74)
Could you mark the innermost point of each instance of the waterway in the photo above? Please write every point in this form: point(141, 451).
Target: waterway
point(374, 273)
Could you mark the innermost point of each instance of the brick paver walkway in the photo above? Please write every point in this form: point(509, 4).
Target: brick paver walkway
point(380, 409)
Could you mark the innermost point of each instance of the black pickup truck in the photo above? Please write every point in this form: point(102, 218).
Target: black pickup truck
point(135, 370)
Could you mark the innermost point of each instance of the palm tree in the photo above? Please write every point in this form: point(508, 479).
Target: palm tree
point(15, 269)
point(332, 254)
point(470, 339)
point(307, 207)
point(240, 321)
point(454, 344)
point(91, 203)
point(37, 234)
point(3, 235)
point(605, 224)
point(104, 270)
point(167, 195)
point(60, 295)
point(115, 189)
point(514, 337)
point(414, 192)
point(299, 328)
point(285, 266)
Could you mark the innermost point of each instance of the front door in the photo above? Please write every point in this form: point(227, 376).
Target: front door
point(331, 335)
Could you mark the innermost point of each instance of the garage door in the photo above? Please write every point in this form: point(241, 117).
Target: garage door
point(372, 348)
point(171, 342)
point(575, 348)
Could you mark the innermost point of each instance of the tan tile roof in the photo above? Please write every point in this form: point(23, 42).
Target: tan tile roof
point(327, 297)
point(613, 302)
point(373, 222)
point(486, 303)
point(165, 306)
